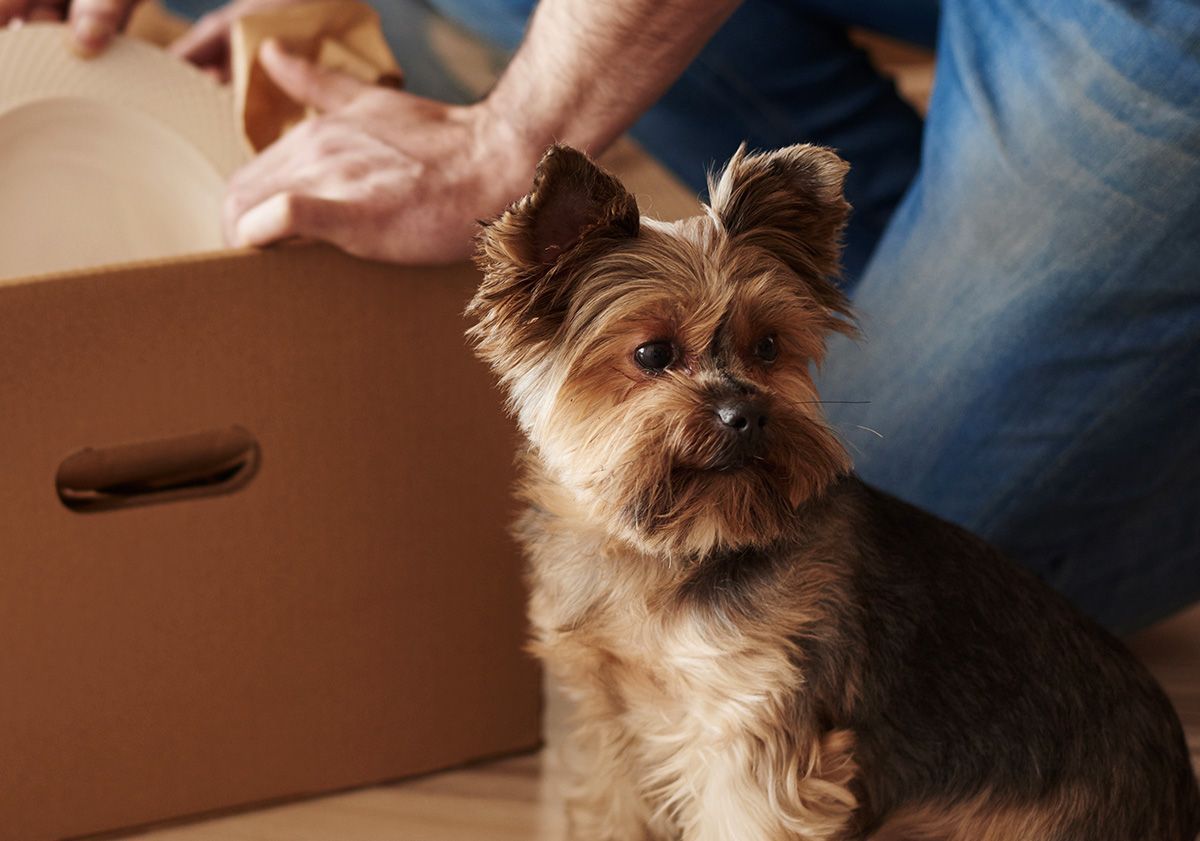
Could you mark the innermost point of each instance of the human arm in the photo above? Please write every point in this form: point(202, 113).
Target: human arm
point(389, 175)
point(587, 70)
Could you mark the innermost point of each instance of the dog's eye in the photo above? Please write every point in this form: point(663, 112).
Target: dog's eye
point(655, 356)
point(767, 350)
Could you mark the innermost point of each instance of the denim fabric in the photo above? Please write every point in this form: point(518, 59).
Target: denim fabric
point(1032, 311)
point(1026, 264)
point(776, 73)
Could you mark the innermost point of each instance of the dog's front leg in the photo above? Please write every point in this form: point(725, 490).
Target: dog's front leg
point(603, 803)
point(742, 815)
point(731, 806)
point(752, 790)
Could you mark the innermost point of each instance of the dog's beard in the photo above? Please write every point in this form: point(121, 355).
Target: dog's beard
point(682, 488)
point(697, 511)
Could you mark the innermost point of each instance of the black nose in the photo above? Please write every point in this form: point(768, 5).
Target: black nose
point(742, 417)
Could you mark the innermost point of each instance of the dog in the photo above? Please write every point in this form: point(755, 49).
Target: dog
point(760, 646)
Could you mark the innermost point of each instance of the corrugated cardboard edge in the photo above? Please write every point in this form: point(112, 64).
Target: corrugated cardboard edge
point(232, 256)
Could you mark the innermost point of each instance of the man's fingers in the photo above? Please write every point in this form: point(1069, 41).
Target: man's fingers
point(268, 222)
point(270, 173)
point(206, 43)
point(305, 82)
point(286, 215)
point(95, 22)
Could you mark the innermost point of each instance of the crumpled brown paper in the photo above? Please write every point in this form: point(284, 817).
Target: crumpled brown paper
point(342, 35)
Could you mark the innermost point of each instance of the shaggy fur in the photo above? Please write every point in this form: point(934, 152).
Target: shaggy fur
point(760, 646)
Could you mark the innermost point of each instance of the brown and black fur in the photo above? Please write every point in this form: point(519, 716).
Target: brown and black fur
point(759, 645)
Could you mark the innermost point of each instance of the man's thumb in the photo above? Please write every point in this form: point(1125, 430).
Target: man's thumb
point(304, 81)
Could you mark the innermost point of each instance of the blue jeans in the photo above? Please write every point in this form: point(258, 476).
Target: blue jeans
point(1025, 263)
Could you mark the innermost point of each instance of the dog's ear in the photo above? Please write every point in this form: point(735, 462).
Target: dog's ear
point(574, 210)
point(571, 200)
point(788, 202)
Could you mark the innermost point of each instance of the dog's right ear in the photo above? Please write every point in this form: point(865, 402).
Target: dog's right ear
point(571, 200)
point(574, 209)
point(790, 203)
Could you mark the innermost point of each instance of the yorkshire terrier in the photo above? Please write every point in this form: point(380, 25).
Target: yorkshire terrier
point(759, 645)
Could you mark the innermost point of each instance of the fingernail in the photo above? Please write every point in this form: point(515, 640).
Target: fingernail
point(263, 223)
point(91, 36)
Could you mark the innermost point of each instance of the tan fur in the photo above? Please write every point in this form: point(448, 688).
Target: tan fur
point(727, 611)
point(681, 714)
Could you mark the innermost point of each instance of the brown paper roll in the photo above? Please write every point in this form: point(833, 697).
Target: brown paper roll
point(342, 35)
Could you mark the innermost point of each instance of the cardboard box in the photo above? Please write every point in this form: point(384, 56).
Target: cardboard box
point(253, 538)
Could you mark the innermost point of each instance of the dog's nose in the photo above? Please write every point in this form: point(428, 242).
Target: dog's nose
point(742, 417)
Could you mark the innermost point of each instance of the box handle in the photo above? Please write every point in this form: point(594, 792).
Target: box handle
point(203, 464)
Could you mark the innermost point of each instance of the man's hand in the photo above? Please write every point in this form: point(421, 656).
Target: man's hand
point(206, 44)
point(93, 22)
point(380, 173)
point(392, 176)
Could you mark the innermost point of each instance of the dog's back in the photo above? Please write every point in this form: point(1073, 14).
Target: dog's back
point(991, 708)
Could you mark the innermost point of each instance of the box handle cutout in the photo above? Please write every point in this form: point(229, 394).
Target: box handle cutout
point(203, 464)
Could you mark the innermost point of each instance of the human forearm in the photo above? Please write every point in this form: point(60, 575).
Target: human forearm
point(388, 175)
point(587, 69)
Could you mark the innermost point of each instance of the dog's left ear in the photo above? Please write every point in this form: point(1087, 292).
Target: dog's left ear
point(527, 254)
point(790, 203)
point(572, 200)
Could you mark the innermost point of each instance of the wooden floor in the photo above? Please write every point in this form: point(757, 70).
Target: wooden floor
point(515, 798)
point(502, 801)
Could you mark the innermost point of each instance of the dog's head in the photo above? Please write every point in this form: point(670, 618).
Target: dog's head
point(663, 372)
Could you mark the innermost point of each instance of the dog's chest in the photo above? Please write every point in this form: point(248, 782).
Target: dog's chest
point(676, 671)
point(688, 698)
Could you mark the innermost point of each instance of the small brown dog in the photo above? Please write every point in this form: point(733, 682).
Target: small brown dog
point(760, 646)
